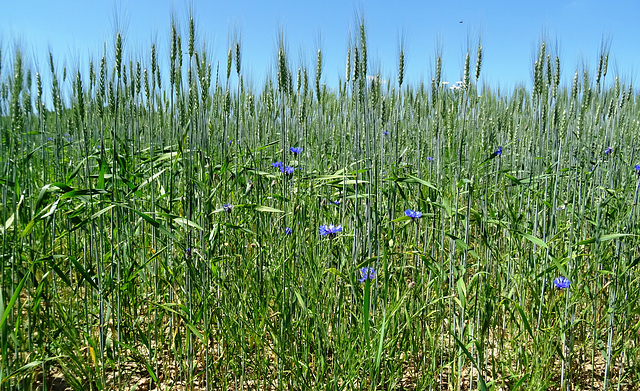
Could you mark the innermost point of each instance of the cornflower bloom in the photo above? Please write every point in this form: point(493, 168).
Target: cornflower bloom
point(330, 230)
point(368, 273)
point(277, 165)
point(295, 150)
point(287, 169)
point(414, 214)
point(227, 207)
point(429, 159)
point(561, 283)
point(385, 133)
point(288, 231)
point(637, 167)
point(498, 152)
point(608, 150)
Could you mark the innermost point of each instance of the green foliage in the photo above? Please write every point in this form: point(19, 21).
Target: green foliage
point(149, 236)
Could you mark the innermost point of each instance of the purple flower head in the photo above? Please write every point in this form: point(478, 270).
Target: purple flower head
point(561, 283)
point(368, 273)
point(637, 167)
point(414, 214)
point(498, 152)
point(288, 231)
point(188, 253)
point(295, 150)
point(336, 203)
point(330, 231)
point(227, 207)
point(385, 133)
point(429, 159)
point(287, 169)
point(277, 165)
point(608, 150)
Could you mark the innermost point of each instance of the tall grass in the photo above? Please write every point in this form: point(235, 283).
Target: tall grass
point(148, 240)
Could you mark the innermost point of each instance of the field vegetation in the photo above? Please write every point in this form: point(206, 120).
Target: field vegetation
point(169, 226)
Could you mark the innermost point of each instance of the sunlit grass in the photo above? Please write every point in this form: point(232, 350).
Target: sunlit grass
point(190, 232)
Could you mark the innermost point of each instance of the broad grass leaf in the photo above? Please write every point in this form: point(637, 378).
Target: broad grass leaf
point(534, 240)
point(16, 293)
point(268, 209)
point(187, 223)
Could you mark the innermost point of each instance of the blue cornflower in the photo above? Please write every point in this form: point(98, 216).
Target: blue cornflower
point(287, 169)
point(429, 159)
point(561, 283)
point(227, 207)
point(330, 230)
point(336, 203)
point(385, 133)
point(368, 273)
point(637, 167)
point(277, 165)
point(295, 150)
point(498, 152)
point(608, 150)
point(288, 231)
point(188, 253)
point(414, 214)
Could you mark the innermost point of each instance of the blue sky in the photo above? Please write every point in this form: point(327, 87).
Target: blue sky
point(510, 32)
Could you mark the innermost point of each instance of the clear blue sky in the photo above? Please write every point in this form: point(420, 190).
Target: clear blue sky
point(510, 32)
